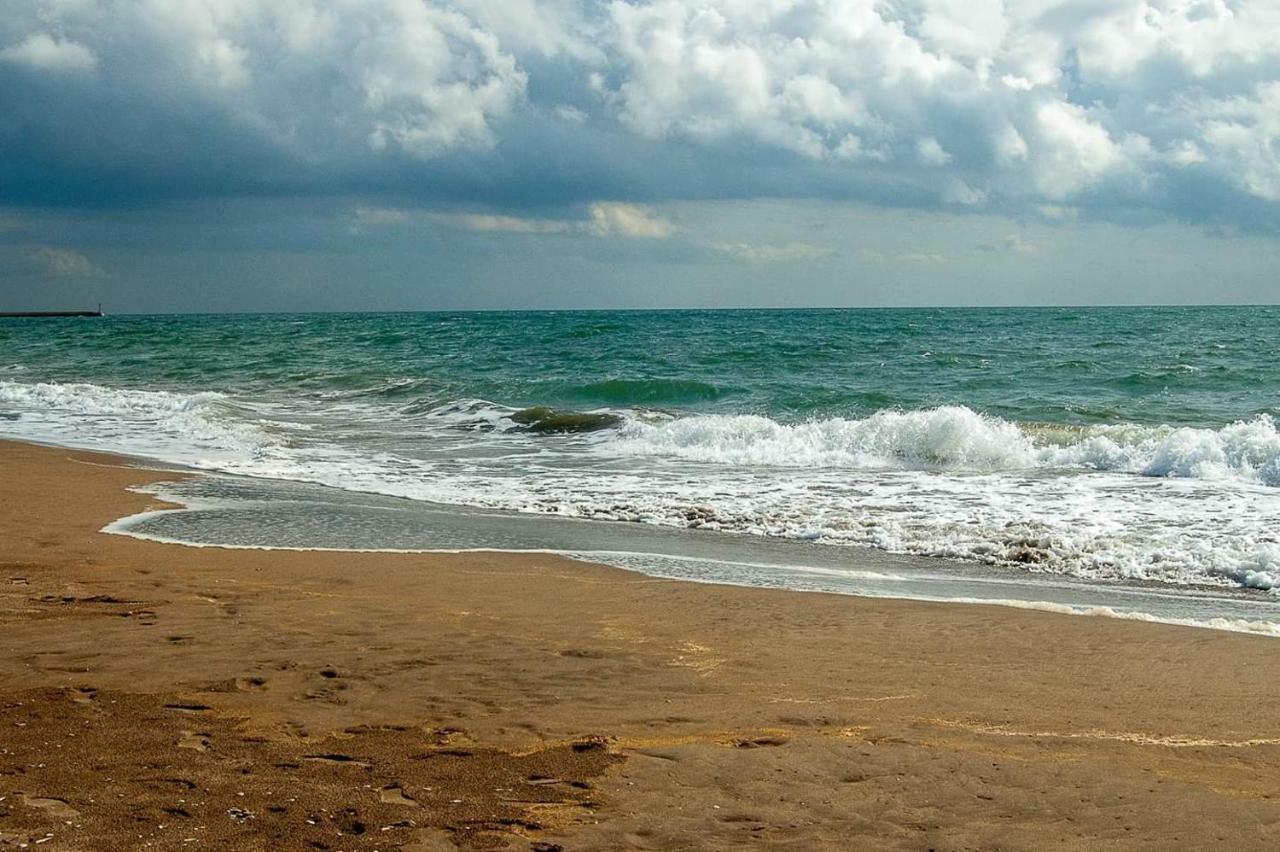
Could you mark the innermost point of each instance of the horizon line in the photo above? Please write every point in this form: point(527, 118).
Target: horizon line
point(941, 307)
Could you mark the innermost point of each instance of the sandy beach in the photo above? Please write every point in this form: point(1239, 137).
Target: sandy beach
point(156, 696)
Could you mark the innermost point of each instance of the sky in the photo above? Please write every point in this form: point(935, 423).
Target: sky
point(245, 155)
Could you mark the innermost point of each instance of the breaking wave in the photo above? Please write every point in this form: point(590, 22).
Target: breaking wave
point(136, 421)
point(959, 439)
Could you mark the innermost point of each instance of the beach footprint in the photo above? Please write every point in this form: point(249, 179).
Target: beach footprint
point(53, 806)
point(195, 741)
point(394, 794)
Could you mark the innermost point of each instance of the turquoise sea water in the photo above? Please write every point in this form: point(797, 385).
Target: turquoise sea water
point(1182, 366)
point(1102, 444)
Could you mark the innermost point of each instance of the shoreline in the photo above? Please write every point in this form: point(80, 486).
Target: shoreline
point(1122, 600)
point(655, 713)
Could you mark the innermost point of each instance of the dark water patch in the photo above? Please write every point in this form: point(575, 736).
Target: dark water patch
point(548, 421)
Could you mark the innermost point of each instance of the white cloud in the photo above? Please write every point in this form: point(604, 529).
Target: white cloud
point(974, 102)
point(1241, 138)
point(960, 192)
point(1057, 212)
point(508, 224)
point(1076, 151)
point(65, 263)
point(44, 52)
point(379, 216)
point(571, 114)
point(1012, 244)
point(926, 258)
point(318, 77)
point(931, 152)
point(627, 220)
point(838, 79)
point(549, 28)
point(604, 219)
point(773, 253)
point(363, 219)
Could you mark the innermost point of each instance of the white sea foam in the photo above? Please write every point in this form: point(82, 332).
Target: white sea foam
point(943, 437)
point(202, 427)
point(1173, 505)
point(957, 438)
point(1233, 625)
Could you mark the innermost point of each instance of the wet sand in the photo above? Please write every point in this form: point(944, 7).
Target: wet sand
point(155, 696)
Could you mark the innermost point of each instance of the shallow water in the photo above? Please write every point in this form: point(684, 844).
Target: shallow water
point(236, 512)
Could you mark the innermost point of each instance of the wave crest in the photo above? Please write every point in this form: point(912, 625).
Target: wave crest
point(958, 438)
point(129, 419)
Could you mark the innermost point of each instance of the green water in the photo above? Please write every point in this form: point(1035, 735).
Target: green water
point(1199, 366)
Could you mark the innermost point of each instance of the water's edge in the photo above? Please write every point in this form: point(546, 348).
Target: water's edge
point(239, 513)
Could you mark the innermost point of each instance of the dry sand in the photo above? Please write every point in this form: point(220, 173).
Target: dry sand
point(162, 697)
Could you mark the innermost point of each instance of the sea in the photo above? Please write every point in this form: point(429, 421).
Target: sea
point(1119, 462)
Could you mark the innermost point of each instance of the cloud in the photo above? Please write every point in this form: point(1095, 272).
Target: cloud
point(1012, 244)
point(604, 219)
point(627, 220)
point(912, 257)
point(773, 253)
point(922, 257)
point(985, 101)
point(313, 81)
point(931, 152)
point(571, 114)
point(65, 263)
point(992, 105)
point(1243, 135)
point(365, 218)
point(1057, 212)
point(46, 53)
point(508, 224)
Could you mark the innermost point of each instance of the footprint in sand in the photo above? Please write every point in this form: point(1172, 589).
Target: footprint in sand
point(432, 840)
point(56, 808)
point(194, 741)
point(760, 742)
point(394, 794)
point(342, 759)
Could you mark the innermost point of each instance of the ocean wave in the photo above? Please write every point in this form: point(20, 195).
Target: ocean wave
point(134, 420)
point(484, 416)
point(943, 437)
point(946, 482)
point(396, 388)
point(960, 439)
